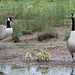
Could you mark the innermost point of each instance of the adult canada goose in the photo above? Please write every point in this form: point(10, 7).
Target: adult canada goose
point(5, 31)
point(71, 40)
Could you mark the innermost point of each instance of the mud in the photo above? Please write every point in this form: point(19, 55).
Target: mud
point(15, 52)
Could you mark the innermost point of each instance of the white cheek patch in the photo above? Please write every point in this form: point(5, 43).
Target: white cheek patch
point(8, 19)
point(73, 15)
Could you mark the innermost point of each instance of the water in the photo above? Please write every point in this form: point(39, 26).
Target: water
point(35, 70)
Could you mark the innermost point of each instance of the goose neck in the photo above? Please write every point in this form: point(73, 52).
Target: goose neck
point(73, 27)
point(8, 24)
point(72, 34)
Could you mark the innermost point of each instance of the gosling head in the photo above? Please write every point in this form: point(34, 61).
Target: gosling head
point(42, 51)
point(10, 19)
point(72, 15)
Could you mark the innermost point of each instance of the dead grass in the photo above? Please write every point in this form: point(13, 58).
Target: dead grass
point(46, 36)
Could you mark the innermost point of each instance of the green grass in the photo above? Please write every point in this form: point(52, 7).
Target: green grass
point(43, 15)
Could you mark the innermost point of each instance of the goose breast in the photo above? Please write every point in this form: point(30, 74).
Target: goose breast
point(5, 32)
point(71, 42)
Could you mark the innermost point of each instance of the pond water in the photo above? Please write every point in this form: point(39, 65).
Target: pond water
point(36, 70)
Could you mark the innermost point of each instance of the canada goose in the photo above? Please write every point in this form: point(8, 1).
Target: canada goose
point(39, 56)
point(28, 55)
point(5, 31)
point(47, 55)
point(71, 40)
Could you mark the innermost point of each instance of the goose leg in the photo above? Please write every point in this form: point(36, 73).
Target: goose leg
point(72, 57)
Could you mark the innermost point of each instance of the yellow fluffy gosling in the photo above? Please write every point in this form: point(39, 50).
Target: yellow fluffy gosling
point(47, 55)
point(42, 51)
point(28, 55)
point(39, 56)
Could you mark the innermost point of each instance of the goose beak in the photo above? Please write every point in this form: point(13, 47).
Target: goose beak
point(71, 16)
point(12, 20)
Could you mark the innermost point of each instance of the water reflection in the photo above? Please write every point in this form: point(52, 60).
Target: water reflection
point(36, 70)
point(72, 72)
point(28, 68)
point(1, 73)
point(43, 70)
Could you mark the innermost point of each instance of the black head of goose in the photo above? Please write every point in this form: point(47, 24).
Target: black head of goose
point(5, 31)
point(8, 22)
point(71, 40)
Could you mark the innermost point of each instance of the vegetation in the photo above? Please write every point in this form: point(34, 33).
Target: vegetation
point(16, 34)
point(66, 35)
point(47, 34)
point(36, 15)
point(26, 32)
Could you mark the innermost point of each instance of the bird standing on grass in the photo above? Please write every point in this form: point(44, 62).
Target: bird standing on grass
point(5, 31)
point(71, 40)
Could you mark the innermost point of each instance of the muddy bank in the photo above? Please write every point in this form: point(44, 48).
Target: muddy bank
point(15, 52)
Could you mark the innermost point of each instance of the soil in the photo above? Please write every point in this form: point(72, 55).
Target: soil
point(15, 52)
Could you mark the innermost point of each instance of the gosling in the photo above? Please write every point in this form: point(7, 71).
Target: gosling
point(28, 55)
point(47, 56)
point(39, 56)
